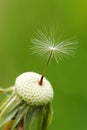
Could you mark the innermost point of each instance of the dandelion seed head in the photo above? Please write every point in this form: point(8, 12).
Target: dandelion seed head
point(32, 93)
point(28, 88)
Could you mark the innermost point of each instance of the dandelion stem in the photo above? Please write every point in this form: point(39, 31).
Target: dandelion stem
point(46, 65)
point(45, 68)
point(49, 58)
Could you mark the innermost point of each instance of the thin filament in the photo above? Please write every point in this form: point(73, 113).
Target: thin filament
point(45, 68)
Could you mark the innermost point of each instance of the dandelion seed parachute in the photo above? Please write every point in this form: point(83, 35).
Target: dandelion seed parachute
point(47, 47)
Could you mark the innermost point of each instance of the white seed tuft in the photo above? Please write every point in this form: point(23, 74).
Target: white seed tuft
point(28, 88)
point(46, 46)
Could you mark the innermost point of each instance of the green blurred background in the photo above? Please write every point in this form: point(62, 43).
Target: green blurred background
point(18, 21)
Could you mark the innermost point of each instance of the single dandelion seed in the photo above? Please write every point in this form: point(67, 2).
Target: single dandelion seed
point(31, 95)
point(47, 47)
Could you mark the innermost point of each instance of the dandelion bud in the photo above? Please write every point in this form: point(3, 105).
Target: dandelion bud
point(28, 88)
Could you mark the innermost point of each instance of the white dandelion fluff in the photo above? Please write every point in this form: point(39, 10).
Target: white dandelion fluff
point(47, 47)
